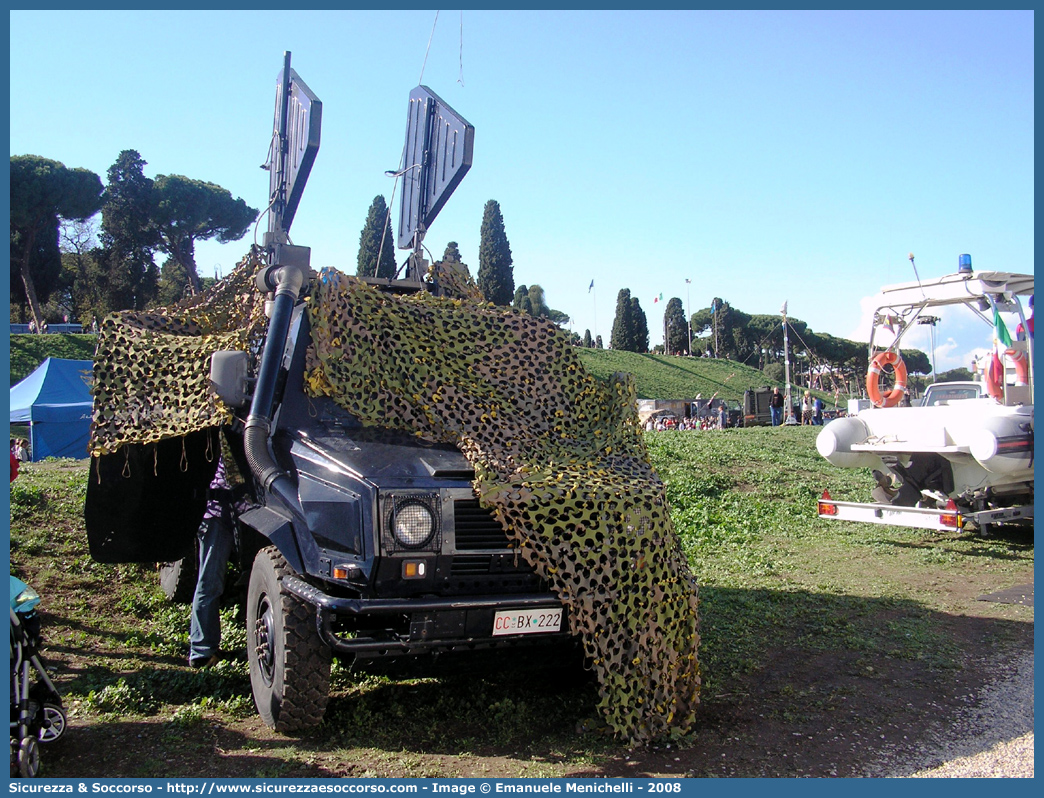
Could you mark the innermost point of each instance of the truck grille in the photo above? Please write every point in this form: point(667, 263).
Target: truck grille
point(470, 565)
point(476, 529)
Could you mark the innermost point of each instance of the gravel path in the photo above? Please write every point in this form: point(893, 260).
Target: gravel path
point(993, 738)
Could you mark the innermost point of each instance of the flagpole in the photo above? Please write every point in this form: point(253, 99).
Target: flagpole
point(594, 308)
point(786, 363)
point(714, 312)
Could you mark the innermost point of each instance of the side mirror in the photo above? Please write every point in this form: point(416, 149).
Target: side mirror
point(228, 376)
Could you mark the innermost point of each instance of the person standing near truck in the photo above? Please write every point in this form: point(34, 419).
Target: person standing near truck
point(215, 546)
point(776, 407)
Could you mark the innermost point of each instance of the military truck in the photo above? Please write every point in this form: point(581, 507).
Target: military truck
point(356, 540)
point(421, 477)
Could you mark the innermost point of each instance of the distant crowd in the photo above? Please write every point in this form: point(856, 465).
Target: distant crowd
point(715, 420)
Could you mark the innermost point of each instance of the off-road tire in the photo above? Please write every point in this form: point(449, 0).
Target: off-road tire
point(289, 664)
point(178, 579)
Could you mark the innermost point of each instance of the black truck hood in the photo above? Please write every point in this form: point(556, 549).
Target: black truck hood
point(382, 455)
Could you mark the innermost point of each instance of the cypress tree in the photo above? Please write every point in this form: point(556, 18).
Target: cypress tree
point(521, 293)
point(677, 329)
point(622, 336)
point(640, 327)
point(452, 254)
point(377, 220)
point(496, 278)
point(588, 343)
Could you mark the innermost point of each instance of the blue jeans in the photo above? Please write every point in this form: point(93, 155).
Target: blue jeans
point(777, 415)
point(215, 546)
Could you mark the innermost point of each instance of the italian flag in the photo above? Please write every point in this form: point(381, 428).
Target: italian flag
point(1001, 341)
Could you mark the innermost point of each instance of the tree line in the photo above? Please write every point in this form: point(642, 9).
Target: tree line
point(81, 250)
point(722, 331)
point(68, 266)
point(496, 273)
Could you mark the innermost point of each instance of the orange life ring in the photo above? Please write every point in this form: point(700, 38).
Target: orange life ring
point(995, 383)
point(873, 380)
point(1021, 366)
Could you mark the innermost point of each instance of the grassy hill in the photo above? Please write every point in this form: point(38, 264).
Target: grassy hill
point(29, 351)
point(657, 376)
point(672, 377)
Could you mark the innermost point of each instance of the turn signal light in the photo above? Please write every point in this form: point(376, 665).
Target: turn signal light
point(824, 507)
point(951, 518)
point(350, 572)
point(414, 569)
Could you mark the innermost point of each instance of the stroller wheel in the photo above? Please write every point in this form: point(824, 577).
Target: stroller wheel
point(29, 758)
point(54, 723)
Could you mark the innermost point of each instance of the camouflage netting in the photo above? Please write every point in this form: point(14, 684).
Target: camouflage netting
point(152, 370)
point(558, 457)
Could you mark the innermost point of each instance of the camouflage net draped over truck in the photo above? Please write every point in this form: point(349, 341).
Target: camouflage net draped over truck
point(558, 457)
point(152, 370)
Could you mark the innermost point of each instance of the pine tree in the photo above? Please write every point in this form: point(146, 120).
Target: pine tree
point(640, 327)
point(377, 219)
point(496, 277)
point(622, 336)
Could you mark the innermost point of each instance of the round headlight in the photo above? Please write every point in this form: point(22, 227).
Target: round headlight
point(413, 524)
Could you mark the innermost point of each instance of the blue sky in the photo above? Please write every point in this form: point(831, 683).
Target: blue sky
point(765, 156)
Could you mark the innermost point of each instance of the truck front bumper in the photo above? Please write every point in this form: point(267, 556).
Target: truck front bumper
point(434, 624)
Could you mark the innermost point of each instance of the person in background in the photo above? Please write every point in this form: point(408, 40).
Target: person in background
point(776, 407)
point(21, 450)
point(1020, 331)
point(723, 416)
point(216, 537)
point(806, 409)
point(817, 412)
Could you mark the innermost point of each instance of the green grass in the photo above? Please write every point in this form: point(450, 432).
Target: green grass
point(743, 503)
point(776, 584)
point(672, 377)
point(29, 351)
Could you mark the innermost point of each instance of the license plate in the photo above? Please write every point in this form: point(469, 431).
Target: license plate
point(527, 622)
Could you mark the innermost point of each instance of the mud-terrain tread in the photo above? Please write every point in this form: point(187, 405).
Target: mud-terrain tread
point(306, 660)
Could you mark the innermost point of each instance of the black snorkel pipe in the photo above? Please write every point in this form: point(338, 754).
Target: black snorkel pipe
point(286, 280)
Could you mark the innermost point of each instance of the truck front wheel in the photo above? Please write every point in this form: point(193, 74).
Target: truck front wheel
point(289, 664)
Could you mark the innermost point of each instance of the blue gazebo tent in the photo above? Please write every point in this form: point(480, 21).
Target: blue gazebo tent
point(55, 400)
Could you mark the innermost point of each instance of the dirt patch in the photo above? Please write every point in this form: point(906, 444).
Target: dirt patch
point(802, 714)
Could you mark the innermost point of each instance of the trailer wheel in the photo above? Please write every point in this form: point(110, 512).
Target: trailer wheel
point(178, 578)
point(289, 664)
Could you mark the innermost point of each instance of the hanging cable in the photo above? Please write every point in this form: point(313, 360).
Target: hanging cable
point(430, 37)
point(460, 77)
